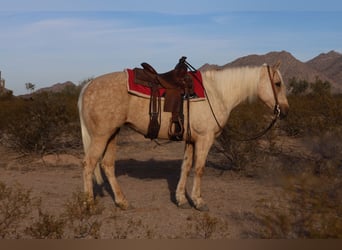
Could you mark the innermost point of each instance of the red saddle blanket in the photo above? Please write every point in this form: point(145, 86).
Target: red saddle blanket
point(144, 91)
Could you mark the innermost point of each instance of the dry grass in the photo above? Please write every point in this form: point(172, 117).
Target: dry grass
point(311, 207)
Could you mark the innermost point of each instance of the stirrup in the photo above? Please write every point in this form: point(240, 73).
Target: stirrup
point(176, 130)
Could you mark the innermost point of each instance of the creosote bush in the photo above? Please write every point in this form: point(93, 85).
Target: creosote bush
point(309, 207)
point(313, 115)
point(47, 226)
point(15, 206)
point(205, 226)
point(47, 122)
point(81, 216)
point(19, 218)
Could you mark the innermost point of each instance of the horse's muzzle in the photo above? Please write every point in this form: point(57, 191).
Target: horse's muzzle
point(284, 110)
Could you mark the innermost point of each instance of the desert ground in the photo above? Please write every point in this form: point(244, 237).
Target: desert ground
point(148, 173)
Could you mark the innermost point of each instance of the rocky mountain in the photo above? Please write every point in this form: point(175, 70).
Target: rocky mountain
point(330, 64)
point(327, 67)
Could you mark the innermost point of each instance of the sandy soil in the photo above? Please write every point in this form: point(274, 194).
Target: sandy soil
point(148, 174)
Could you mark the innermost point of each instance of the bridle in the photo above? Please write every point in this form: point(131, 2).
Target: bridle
point(276, 110)
point(276, 105)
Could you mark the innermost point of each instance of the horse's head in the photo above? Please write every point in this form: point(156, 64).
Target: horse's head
point(272, 90)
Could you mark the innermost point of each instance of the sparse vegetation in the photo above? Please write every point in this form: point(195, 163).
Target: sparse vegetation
point(45, 123)
point(309, 207)
point(316, 115)
point(22, 216)
point(15, 206)
point(81, 216)
point(310, 204)
point(205, 226)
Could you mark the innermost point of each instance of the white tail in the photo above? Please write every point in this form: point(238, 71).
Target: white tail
point(86, 136)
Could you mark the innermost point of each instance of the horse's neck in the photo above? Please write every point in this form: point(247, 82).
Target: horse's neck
point(229, 87)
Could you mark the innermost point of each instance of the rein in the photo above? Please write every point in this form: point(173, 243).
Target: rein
point(258, 135)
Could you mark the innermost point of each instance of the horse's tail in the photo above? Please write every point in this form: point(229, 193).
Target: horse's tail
point(86, 138)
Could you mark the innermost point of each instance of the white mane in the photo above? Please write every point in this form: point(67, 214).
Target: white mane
point(239, 82)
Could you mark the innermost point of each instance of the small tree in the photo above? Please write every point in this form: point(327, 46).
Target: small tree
point(30, 86)
point(320, 87)
point(298, 87)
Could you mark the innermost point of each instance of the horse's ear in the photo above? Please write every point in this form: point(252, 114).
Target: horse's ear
point(277, 65)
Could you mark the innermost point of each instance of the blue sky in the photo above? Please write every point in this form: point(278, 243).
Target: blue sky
point(45, 42)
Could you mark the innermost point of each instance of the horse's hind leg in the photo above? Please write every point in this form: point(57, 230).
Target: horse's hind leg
point(92, 157)
point(108, 165)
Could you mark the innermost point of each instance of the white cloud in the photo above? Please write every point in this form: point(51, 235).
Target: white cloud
point(45, 48)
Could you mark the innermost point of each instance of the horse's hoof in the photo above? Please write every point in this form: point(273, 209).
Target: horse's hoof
point(125, 206)
point(202, 208)
point(184, 206)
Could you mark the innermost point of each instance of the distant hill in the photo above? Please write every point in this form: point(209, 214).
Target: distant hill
point(327, 67)
point(330, 64)
point(56, 88)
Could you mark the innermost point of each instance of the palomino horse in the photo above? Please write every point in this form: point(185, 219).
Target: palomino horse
point(105, 106)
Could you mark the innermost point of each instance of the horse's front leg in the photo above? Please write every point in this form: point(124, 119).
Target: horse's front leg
point(201, 152)
point(186, 166)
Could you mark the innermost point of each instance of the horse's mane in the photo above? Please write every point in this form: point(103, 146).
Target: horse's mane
point(240, 81)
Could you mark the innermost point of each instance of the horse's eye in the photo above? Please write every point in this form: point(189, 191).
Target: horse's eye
point(278, 84)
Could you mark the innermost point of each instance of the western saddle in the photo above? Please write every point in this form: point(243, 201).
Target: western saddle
point(178, 86)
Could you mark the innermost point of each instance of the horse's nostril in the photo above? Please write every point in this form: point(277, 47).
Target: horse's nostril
point(283, 112)
point(282, 116)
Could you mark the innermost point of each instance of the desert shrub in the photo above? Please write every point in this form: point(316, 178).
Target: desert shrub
point(16, 204)
point(309, 207)
point(47, 226)
point(327, 149)
point(46, 123)
point(298, 87)
point(8, 109)
point(130, 228)
point(242, 152)
point(22, 216)
point(313, 115)
point(205, 226)
point(81, 216)
point(320, 87)
point(238, 153)
point(78, 220)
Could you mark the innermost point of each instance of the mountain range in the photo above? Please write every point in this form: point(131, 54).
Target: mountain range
point(326, 66)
